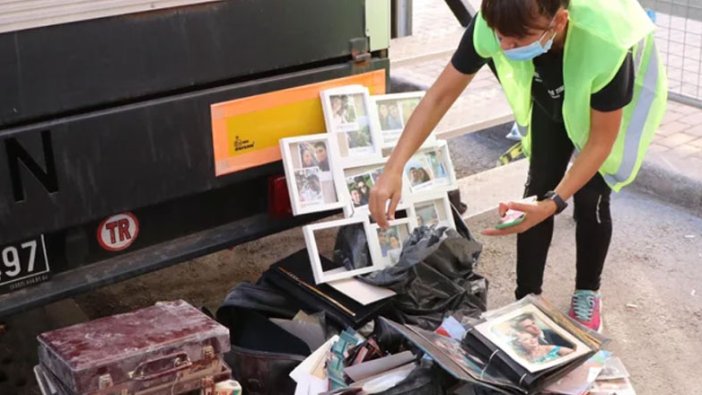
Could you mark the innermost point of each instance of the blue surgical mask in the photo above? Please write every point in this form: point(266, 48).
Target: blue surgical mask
point(529, 52)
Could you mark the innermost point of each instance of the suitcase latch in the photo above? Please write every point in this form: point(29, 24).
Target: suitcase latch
point(105, 381)
point(155, 368)
point(208, 353)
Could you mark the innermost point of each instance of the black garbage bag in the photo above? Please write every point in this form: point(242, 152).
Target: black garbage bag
point(351, 248)
point(434, 277)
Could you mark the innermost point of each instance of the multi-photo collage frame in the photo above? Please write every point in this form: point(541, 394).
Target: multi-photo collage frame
point(338, 169)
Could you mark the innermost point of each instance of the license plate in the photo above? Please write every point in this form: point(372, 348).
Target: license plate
point(23, 263)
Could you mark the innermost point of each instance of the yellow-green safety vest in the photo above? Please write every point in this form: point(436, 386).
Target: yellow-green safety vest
point(600, 33)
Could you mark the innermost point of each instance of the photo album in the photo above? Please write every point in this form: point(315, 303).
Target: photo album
point(521, 348)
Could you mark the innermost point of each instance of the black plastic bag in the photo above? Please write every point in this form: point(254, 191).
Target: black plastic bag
point(434, 277)
point(351, 248)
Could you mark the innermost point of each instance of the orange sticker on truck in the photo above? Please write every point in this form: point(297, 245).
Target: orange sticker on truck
point(246, 131)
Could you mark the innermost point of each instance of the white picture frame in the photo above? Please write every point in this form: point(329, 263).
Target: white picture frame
point(430, 169)
point(391, 113)
point(305, 169)
point(364, 174)
point(432, 209)
point(348, 116)
point(321, 276)
point(391, 240)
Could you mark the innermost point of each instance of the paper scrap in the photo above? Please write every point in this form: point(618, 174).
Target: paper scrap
point(361, 292)
point(377, 366)
point(613, 369)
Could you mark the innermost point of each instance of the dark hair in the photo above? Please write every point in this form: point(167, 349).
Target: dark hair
point(320, 144)
point(517, 321)
point(514, 18)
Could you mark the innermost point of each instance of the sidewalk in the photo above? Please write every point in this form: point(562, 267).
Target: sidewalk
point(673, 166)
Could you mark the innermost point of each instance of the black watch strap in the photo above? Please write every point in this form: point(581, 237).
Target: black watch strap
point(560, 203)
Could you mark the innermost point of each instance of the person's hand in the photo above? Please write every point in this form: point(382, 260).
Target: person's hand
point(388, 187)
point(535, 214)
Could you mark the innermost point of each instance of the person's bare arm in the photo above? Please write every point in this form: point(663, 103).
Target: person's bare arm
point(604, 127)
point(426, 116)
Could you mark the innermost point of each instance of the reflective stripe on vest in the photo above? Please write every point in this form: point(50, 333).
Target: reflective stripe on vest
point(637, 123)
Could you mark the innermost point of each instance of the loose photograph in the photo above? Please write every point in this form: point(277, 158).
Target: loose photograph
point(532, 339)
point(613, 369)
point(612, 387)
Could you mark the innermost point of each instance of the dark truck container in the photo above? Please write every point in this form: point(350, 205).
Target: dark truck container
point(111, 164)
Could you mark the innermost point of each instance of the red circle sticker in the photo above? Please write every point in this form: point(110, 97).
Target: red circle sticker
point(118, 232)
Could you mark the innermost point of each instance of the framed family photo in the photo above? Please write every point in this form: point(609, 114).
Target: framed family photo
point(432, 210)
point(347, 115)
point(320, 239)
point(309, 170)
point(391, 240)
point(430, 169)
point(355, 184)
point(532, 339)
point(391, 113)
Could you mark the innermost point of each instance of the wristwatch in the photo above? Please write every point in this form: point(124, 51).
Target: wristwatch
point(560, 203)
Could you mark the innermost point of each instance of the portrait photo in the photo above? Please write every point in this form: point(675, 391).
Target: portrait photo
point(532, 339)
point(344, 114)
point(392, 112)
point(419, 173)
point(359, 187)
point(391, 241)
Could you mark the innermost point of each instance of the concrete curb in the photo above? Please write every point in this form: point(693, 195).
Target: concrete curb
point(664, 181)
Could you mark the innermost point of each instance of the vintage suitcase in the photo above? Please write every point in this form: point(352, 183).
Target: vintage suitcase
point(164, 349)
point(49, 385)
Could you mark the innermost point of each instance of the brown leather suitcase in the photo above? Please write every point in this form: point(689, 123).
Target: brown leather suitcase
point(168, 348)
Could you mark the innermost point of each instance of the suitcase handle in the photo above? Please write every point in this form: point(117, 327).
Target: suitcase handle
point(153, 368)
